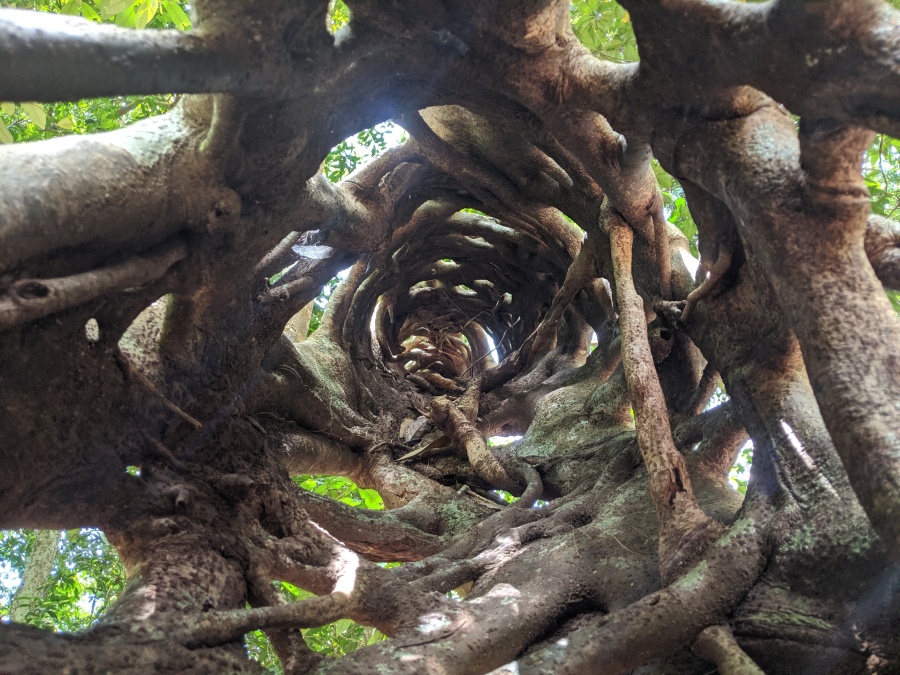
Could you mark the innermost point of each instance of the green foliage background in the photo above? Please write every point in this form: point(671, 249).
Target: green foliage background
point(85, 579)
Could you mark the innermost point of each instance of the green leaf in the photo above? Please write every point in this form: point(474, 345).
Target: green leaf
point(36, 112)
point(126, 18)
point(339, 16)
point(8, 108)
point(144, 12)
point(109, 8)
point(89, 12)
point(5, 136)
point(343, 625)
point(371, 498)
point(66, 123)
point(376, 636)
point(71, 7)
point(177, 15)
point(895, 300)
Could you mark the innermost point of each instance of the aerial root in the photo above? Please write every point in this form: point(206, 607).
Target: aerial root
point(663, 257)
point(453, 573)
point(709, 381)
point(508, 474)
point(452, 421)
point(718, 270)
point(289, 644)
point(217, 628)
point(716, 644)
point(661, 623)
point(684, 530)
point(529, 476)
point(144, 380)
point(490, 186)
point(457, 420)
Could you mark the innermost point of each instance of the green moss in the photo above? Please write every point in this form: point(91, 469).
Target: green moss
point(622, 564)
point(457, 519)
point(784, 619)
point(694, 578)
point(860, 545)
point(738, 529)
point(802, 539)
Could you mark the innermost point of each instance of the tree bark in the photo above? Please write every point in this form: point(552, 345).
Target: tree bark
point(510, 270)
point(41, 558)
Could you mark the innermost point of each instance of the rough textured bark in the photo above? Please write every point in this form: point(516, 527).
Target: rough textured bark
point(43, 553)
point(521, 219)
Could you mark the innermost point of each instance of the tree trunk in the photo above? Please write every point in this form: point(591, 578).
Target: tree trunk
point(44, 551)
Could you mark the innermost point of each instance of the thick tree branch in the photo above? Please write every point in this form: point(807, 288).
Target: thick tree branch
point(101, 60)
point(49, 203)
point(720, 435)
point(30, 299)
point(216, 628)
point(376, 535)
point(835, 60)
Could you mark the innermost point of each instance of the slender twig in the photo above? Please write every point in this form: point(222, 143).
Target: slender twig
point(162, 397)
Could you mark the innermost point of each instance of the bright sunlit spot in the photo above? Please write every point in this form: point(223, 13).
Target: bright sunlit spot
point(804, 456)
point(740, 472)
point(348, 565)
point(498, 441)
point(492, 346)
point(689, 261)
